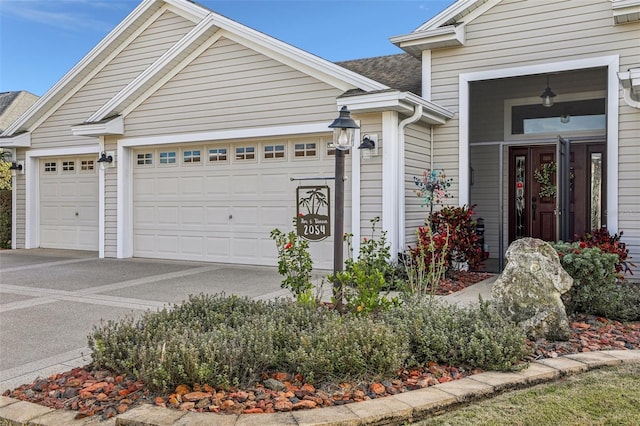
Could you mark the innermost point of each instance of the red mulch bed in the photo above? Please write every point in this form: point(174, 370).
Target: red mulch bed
point(94, 392)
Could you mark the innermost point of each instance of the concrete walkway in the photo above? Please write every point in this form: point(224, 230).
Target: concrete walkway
point(51, 299)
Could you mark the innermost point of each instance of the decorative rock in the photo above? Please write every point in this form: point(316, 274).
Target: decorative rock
point(274, 384)
point(529, 289)
point(195, 396)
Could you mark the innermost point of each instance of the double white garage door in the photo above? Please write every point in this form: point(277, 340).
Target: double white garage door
point(69, 203)
point(219, 202)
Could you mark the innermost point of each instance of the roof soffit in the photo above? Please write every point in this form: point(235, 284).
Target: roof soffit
point(625, 11)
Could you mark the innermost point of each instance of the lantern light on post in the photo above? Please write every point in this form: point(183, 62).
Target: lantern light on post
point(344, 128)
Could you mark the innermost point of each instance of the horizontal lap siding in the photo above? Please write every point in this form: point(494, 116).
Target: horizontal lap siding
point(120, 71)
point(484, 191)
point(230, 86)
point(371, 177)
point(520, 33)
point(417, 147)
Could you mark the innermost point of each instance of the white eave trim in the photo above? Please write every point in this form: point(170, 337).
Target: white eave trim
point(414, 43)
point(625, 11)
point(449, 13)
point(402, 102)
point(22, 140)
point(114, 126)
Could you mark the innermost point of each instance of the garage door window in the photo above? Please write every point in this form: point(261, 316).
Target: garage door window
point(87, 166)
point(305, 150)
point(50, 167)
point(217, 155)
point(68, 166)
point(144, 159)
point(273, 151)
point(245, 153)
point(168, 157)
point(191, 157)
point(331, 150)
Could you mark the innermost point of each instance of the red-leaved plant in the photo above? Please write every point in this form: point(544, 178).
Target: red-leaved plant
point(608, 243)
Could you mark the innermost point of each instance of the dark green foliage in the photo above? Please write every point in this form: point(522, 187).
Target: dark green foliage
point(461, 228)
point(5, 218)
point(595, 287)
point(477, 337)
point(232, 341)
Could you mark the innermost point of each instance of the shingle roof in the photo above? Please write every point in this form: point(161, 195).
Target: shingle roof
point(402, 72)
point(6, 99)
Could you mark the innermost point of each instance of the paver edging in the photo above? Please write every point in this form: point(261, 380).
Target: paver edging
point(404, 407)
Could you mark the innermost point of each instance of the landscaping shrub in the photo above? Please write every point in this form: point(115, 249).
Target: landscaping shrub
point(595, 287)
point(608, 243)
point(5, 218)
point(294, 263)
point(231, 341)
point(477, 337)
point(463, 237)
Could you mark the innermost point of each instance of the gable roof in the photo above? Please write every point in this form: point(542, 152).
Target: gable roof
point(207, 23)
point(401, 71)
point(13, 105)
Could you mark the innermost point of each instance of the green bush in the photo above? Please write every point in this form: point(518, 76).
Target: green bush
point(232, 341)
point(595, 288)
point(475, 336)
point(5, 218)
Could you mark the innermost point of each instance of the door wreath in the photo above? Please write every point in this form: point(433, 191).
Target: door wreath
point(543, 177)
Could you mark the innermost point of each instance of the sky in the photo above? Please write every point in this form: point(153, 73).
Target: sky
point(41, 40)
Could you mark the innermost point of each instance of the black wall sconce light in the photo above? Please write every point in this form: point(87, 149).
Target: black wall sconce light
point(17, 167)
point(105, 160)
point(369, 146)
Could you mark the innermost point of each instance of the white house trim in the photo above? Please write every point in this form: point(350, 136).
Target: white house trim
point(32, 187)
point(101, 205)
point(390, 163)
point(355, 197)
point(114, 126)
point(612, 64)
point(22, 140)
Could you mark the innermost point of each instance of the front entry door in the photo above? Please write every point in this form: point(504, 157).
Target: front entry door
point(536, 192)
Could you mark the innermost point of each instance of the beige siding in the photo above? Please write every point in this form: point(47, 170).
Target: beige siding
point(370, 176)
point(20, 187)
point(484, 192)
point(230, 86)
point(417, 146)
point(127, 65)
point(111, 202)
point(518, 33)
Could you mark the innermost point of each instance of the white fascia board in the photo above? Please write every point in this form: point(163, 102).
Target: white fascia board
point(403, 102)
point(416, 42)
point(257, 132)
point(23, 140)
point(293, 56)
point(80, 66)
point(111, 127)
point(174, 53)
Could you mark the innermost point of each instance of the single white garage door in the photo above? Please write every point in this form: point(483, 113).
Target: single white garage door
point(69, 203)
point(219, 202)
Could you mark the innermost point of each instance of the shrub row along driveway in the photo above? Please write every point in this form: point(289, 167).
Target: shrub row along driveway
point(51, 299)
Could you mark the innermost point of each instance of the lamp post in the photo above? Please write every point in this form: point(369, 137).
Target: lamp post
point(343, 135)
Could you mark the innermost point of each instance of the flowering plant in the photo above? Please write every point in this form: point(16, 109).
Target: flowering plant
point(294, 263)
point(608, 243)
point(433, 187)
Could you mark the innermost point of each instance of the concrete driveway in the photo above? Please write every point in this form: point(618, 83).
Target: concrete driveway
point(50, 300)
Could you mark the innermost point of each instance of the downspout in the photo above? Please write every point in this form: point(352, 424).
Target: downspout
point(400, 201)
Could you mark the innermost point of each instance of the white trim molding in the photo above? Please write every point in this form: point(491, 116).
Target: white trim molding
point(390, 163)
point(612, 107)
point(23, 140)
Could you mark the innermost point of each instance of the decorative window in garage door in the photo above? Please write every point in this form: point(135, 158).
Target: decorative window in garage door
point(217, 155)
point(305, 150)
point(191, 156)
point(168, 157)
point(274, 151)
point(144, 159)
point(68, 166)
point(331, 150)
point(245, 153)
point(50, 167)
point(87, 166)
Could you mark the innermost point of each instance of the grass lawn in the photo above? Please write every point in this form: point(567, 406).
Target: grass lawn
point(609, 396)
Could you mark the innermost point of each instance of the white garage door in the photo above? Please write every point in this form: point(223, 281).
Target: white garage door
point(219, 202)
point(69, 203)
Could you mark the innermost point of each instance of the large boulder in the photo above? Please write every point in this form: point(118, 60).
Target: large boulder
point(529, 289)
